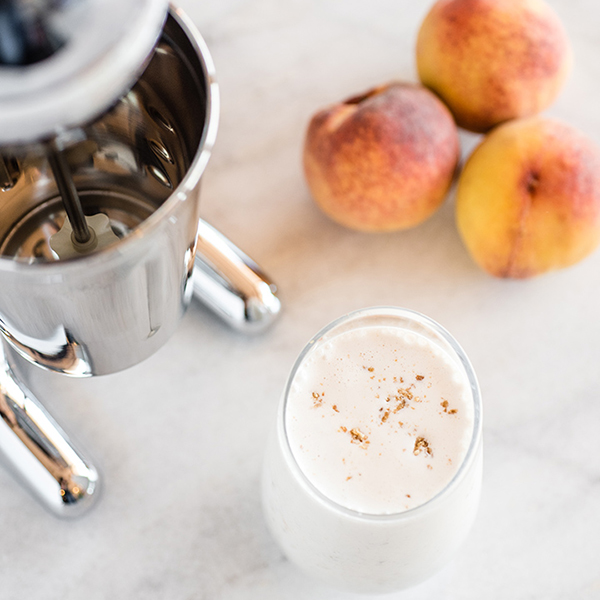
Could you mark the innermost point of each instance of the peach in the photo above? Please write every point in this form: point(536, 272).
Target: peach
point(493, 60)
point(528, 199)
point(383, 160)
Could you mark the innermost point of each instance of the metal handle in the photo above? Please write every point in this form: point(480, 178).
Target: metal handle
point(40, 452)
point(231, 284)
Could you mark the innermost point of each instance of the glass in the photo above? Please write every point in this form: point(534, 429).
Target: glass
point(364, 552)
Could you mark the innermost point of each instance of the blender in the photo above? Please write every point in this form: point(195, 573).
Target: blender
point(108, 114)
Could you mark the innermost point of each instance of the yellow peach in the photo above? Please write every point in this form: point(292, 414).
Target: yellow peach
point(528, 199)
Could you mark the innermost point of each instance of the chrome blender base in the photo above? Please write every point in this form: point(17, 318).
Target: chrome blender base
point(39, 452)
point(37, 449)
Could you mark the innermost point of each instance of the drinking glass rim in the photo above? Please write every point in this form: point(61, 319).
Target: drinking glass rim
point(391, 311)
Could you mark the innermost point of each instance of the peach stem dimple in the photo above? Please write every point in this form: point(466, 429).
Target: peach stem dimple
point(362, 97)
point(533, 181)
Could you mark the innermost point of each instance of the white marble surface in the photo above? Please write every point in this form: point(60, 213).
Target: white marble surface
point(180, 438)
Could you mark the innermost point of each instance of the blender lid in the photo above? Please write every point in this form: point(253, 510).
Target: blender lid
point(64, 62)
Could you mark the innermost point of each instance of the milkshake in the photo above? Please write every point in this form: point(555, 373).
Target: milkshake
point(372, 474)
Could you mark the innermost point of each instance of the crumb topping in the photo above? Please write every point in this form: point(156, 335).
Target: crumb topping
point(358, 437)
point(422, 445)
point(444, 405)
point(317, 398)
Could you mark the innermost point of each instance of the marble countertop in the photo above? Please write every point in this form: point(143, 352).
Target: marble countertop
point(180, 438)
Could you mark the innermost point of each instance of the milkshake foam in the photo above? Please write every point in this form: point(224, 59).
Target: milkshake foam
point(379, 419)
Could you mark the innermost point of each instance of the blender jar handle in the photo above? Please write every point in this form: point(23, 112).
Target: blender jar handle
point(231, 284)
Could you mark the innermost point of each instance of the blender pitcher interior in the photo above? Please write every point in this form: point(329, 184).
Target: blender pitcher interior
point(139, 164)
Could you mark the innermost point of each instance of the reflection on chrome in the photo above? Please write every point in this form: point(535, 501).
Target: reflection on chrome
point(39, 451)
point(58, 353)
